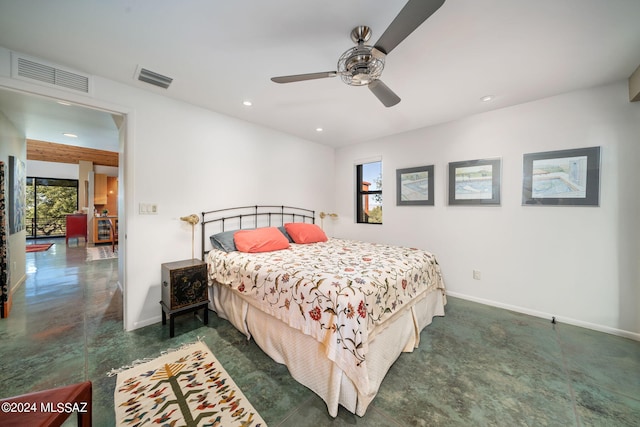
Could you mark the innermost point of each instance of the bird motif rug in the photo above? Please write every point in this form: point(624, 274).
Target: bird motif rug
point(186, 387)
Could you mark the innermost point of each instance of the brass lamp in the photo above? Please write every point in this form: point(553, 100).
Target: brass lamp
point(323, 215)
point(192, 219)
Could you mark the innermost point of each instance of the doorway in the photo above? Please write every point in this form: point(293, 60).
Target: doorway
point(95, 124)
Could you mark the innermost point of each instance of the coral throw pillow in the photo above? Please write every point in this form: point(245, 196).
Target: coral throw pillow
point(305, 233)
point(260, 240)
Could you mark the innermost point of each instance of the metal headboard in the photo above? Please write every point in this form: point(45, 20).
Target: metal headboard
point(244, 217)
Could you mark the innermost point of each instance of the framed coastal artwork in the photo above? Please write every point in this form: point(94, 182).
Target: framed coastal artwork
point(564, 178)
point(475, 182)
point(414, 186)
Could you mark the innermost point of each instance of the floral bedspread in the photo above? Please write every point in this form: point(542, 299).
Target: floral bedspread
point(336, 291)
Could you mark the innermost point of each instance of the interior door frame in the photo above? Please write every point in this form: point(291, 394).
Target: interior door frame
point(125, 136)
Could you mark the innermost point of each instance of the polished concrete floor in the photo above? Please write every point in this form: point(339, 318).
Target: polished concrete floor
point(477, 366)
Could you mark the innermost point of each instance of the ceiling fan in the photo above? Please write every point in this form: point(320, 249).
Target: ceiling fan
point(363, 64)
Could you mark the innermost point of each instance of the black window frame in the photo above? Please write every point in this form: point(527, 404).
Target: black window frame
point(37, 181)
point(361, 216)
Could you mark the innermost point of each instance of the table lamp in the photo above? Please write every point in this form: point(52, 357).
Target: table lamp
point(192, 219)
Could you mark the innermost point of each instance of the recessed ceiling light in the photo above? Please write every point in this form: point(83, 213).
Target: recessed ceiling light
point(70, 135)
point(319, 129)
point(247, 103)
point(486, 98)
point(64, 103)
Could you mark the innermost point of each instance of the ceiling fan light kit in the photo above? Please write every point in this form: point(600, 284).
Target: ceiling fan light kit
point(358, 66)
point(363, 64)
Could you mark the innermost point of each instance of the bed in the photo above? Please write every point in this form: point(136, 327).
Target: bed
point(336, 312)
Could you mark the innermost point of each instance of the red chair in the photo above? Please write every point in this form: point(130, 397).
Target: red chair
point(113, 230)
point(48, 408)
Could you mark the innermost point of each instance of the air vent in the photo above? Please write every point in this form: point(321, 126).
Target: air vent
point(31, 69)
point(154, 78)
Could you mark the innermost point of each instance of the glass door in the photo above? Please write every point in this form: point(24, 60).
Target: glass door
point(49, 201)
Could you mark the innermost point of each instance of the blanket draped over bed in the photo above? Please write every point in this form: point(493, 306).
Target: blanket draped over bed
point(339, 292)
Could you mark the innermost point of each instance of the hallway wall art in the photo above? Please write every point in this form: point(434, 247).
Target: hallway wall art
point(17, 194)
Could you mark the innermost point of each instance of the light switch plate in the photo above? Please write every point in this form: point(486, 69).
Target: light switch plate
point(148, 209)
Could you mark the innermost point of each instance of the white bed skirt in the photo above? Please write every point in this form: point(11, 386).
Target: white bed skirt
point(305, 357)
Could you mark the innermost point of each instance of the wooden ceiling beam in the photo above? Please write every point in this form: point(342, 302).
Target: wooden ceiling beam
point(60, 153)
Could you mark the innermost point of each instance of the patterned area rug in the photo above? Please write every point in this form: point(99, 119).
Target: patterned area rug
point(186, 387)
point(100, 252)
point(40, 247)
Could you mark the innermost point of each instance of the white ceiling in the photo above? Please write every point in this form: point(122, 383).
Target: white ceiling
point(220, 53)
point(44, 119)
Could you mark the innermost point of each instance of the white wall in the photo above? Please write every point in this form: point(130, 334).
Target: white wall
point(186, 160)
point(12, 143)
point(580, 264)
point(52, 170)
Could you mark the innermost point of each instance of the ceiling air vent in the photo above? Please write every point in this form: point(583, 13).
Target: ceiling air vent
point(31, 69)
point(154, 78)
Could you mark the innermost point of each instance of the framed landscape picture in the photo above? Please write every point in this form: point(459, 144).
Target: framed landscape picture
point(565, 177)
point(414, 186)
point(475, 182)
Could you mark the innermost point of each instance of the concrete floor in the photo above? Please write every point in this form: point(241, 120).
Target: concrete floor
point(477, 366)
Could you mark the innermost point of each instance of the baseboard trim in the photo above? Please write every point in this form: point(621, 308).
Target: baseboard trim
point(146, 322)
point(21, 281)
point(600, 328)
point(6, 307)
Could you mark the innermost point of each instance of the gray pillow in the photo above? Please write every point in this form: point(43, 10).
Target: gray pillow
point(224, 241)
point(284, 231)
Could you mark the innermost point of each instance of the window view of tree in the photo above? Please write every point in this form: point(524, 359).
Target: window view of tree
point(49, 200)
point(369, 193)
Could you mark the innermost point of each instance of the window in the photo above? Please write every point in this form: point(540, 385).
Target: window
point(48, 202)
point(369, 193)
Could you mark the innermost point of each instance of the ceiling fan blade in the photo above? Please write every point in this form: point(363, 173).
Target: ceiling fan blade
point(414, 13)
point(302, 77)
point(383, 93)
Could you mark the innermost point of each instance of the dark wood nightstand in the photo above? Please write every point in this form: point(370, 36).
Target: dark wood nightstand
point(184, 289)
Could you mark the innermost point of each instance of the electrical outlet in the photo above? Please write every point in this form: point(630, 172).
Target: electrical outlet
point(476, 274)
